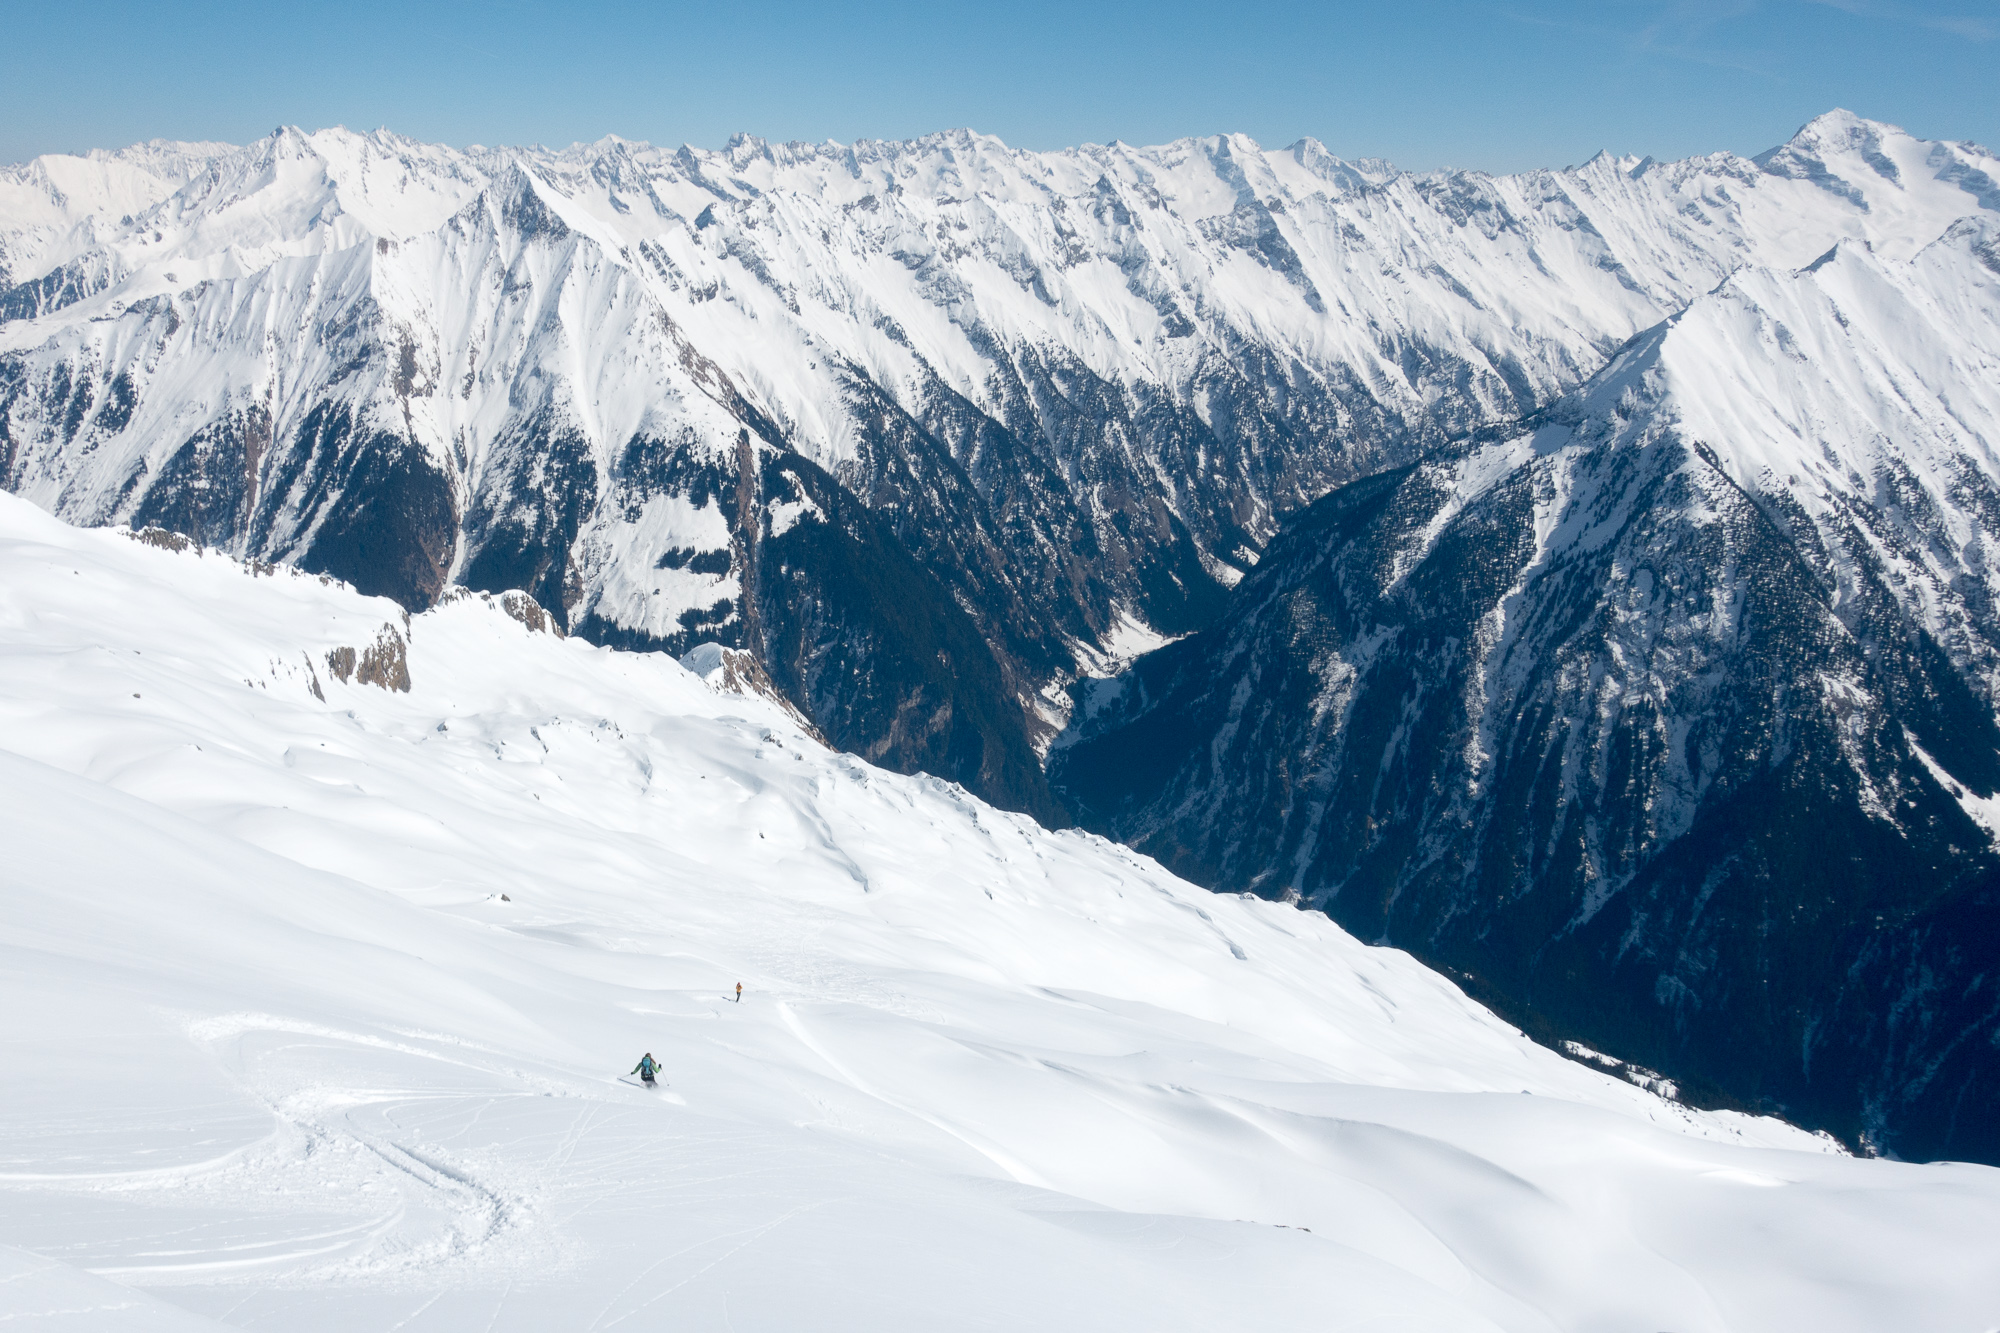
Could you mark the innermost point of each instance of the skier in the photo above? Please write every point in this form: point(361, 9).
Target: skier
point(646, 1068)
point(739, 992)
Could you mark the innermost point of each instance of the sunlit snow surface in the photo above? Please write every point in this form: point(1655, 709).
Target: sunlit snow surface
point(278, 1053)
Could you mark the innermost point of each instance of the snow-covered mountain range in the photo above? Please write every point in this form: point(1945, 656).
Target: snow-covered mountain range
point(1077, 389)
point(328, 931)
point(1675, 480)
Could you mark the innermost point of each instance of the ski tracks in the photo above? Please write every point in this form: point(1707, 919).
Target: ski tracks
point(361, 1176)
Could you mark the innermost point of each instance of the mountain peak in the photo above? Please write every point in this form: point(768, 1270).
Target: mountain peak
point(1838, 121)
point(1832, 132)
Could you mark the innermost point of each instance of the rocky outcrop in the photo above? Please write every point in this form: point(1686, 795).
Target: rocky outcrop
point(384, 663)
point(513, 603)
point(737, 671)
point(164, 539)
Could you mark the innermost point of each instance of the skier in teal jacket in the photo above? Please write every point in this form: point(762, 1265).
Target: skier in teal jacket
point(646, 1068)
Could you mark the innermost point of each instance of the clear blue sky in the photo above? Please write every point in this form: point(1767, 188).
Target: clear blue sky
point(1501, 86)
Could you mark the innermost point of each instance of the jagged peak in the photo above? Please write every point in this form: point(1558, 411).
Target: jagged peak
point(959, 140)
point(294, 143)
point(528, 203)
point(743, 148)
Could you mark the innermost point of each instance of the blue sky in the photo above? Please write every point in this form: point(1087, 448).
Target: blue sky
point(1427, 83)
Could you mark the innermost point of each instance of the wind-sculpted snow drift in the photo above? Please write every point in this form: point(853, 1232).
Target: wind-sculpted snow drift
point(318, 991)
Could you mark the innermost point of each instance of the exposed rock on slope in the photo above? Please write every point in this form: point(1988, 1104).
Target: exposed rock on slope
point(737, 671)
point(383, 663)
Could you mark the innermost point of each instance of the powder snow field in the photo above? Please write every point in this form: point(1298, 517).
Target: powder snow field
point(280, 1055)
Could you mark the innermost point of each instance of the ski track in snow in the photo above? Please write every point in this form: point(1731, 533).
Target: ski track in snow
point(281, 1057)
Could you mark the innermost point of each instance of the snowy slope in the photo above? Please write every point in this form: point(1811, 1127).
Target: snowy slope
point(318, 995)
